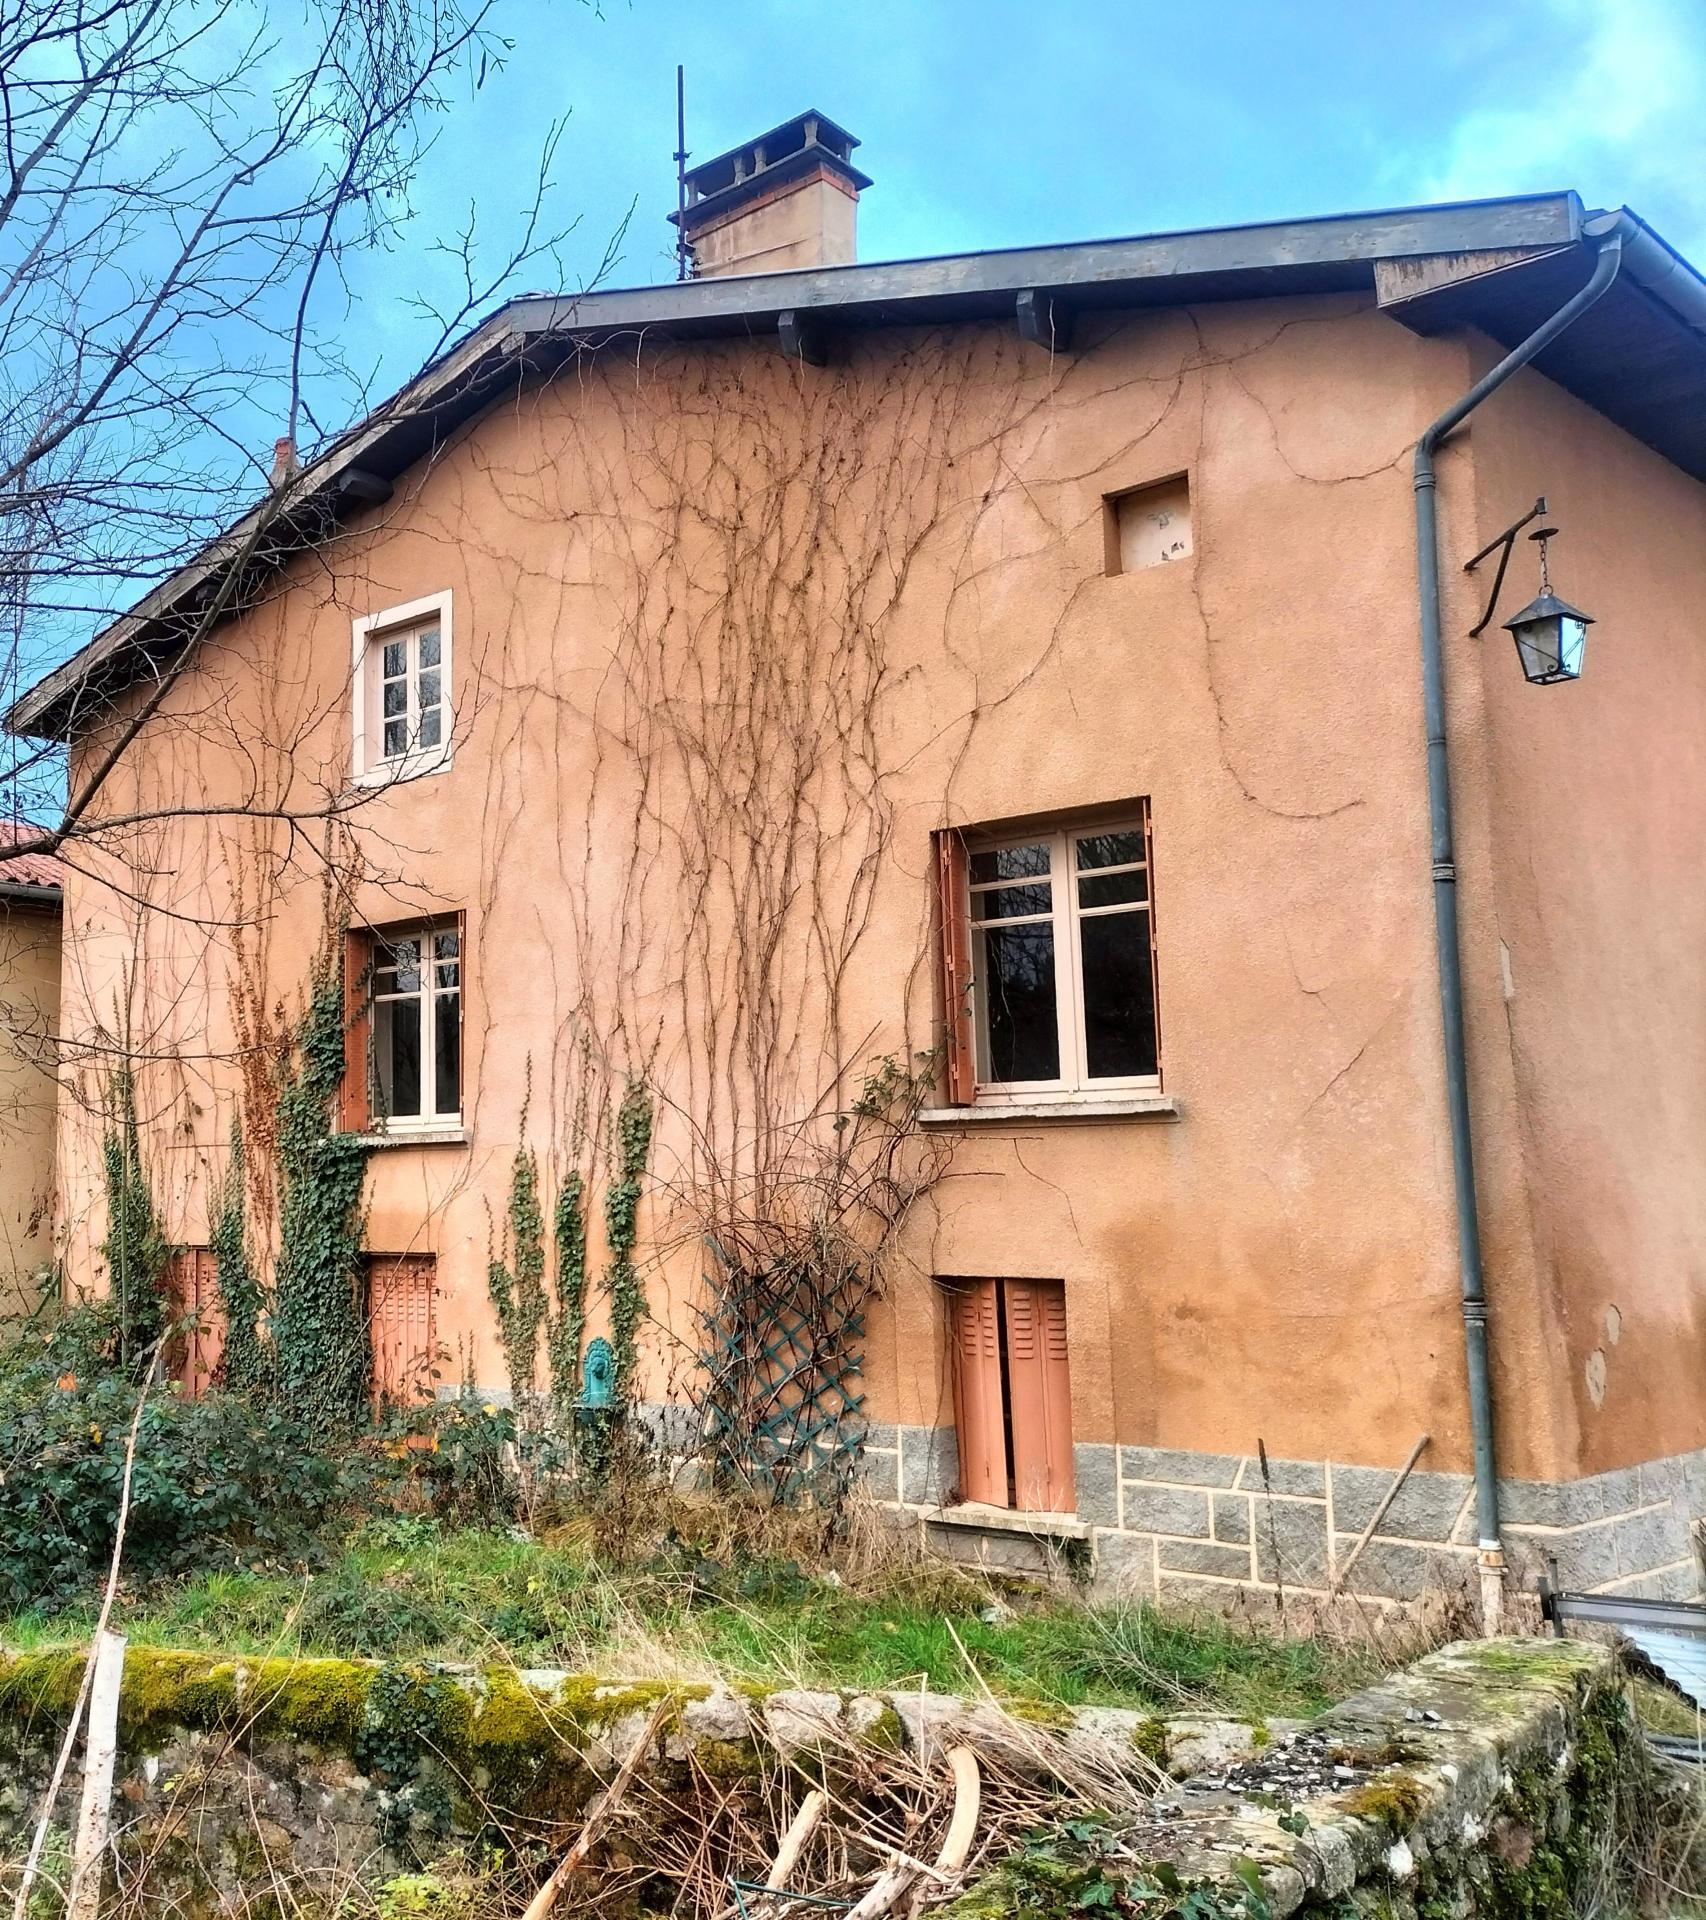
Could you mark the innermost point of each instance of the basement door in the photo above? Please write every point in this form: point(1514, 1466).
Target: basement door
point(402, 1327)
point(1012, 1393)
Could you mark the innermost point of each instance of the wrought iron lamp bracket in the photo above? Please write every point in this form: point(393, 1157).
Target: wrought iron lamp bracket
point(1502, 545)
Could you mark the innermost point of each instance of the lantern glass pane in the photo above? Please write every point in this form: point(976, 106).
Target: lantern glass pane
point(1537, 646)
point(1573, 642)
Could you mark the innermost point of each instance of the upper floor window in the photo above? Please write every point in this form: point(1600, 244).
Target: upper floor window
point(402, 691)
point(1049, 951)
point(403, 1065)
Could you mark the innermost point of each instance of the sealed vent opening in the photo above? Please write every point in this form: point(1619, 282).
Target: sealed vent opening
point(1148, 526)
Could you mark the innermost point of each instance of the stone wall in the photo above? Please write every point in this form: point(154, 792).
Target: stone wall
point(1190, 1525)
point(1488, 1777)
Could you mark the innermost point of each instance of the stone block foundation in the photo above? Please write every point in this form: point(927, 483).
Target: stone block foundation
point(1172, 1522)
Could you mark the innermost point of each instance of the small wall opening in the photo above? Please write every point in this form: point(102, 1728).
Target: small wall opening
point(1148, 526)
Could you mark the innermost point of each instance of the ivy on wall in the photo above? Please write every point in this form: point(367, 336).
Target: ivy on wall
point(568, 1327)
point(621, 1227)
point(248, 1362)
point(518, 1293)
point(136, 1250)
point(318, 1323)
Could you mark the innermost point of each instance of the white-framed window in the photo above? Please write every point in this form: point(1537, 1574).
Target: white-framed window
point(401, 678)
point(415, 1001)
point(1061, 957)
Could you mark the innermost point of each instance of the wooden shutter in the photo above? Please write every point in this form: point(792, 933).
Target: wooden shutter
point(192, 1288)
point(402, 1327)
point(355, 1108)
point(960, 1075)
point(974, 1334)
point(1039, 1391)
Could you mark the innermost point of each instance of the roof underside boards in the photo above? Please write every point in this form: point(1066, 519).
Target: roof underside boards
point(1636, 357)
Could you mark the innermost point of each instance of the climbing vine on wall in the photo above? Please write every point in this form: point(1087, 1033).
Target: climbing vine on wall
point(248, 1360)
point(136, 1250)
point(621, 1229)
point(518, 1292)
point(319, 1326)
point(568, 1324)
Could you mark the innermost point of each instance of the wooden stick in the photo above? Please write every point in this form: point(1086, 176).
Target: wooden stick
point(94, 1819)
point(1380, 1514)
point(968, 1798)
point(800, 1830)
point(599, 1816)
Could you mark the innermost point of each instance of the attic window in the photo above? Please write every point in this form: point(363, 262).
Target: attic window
point(1148, 526)
point(401, 691)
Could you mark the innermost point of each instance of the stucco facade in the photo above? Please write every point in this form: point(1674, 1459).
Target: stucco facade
point(29, 1020)
point(735, 637)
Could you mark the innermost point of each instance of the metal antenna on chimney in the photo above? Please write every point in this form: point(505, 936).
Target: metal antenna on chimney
point(680, 174)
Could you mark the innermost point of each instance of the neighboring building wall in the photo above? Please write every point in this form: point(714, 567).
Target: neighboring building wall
point(29, 1014)
point(713, 592)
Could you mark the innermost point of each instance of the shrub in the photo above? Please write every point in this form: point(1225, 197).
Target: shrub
point(218, 1482)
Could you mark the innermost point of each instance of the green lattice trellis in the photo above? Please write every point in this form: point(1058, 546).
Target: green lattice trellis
point(783, 1354)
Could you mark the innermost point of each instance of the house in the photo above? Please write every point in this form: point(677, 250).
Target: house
point(31, 887)
point(1010, 667)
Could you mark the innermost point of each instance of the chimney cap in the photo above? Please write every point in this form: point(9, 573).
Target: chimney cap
point(808, 140)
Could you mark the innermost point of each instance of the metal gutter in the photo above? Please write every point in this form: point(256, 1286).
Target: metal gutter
point(1610, 232)
point(31, 896)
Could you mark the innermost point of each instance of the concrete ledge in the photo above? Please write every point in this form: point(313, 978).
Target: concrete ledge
point(1030, 1113)
point(977, 1518)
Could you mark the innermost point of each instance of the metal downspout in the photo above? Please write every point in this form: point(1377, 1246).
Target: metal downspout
point(1609, 232)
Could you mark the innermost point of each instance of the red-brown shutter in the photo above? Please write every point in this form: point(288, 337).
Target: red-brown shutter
point(975, 1337)
point(355, 1114)
point(1039, 1396)
point(402, 1327)
point(960, 1074)
point(192, 1288)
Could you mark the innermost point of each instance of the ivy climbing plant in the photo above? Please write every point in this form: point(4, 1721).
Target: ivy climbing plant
point(568, 1326)
point(248, 1361)
point(518, 1292)
point(621, 1227)
point(136, 1250)
point(319, 1328)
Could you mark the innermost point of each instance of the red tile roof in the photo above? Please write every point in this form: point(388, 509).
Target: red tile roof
point(26, 869)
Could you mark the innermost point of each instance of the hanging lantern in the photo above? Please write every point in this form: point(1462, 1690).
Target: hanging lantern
point(1551, 636)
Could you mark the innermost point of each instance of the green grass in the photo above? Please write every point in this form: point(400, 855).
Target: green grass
point(403, 1588)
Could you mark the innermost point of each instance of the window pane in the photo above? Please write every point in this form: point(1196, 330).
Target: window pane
point(432, 727)
point(405, 956)
point(447, 1055)
point(1012, 903)
point(1010, 863)
point(396, 738)
point(396, 699)
point(397, 1056)
point(396, 657)
point(1110, 849)
point(1119, 998)
point(1017, 973)
point(429, 688)
point(429, 647)
point(446, 954)
point(1114, 889)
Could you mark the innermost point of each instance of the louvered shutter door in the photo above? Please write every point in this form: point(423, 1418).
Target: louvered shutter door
point(1040, 1394)
point(191, 1285)
point(979, 1428)
point(402, 1327)
point(355, 1109)
point(960, 1063)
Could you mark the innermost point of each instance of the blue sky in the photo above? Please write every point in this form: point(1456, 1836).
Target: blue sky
point(991, 123)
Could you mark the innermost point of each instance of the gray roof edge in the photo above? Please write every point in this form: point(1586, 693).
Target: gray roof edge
point(1288, 252)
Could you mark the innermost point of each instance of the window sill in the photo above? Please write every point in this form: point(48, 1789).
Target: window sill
point(1142, 1106)
point(398, 773)
point(977, 1518)
point(421, 1137)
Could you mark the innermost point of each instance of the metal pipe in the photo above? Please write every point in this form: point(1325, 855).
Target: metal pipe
point(1609, 232)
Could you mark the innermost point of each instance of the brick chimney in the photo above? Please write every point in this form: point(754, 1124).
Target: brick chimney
point(787, 199)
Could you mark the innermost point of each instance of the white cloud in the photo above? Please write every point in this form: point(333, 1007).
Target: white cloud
point(1605, 95)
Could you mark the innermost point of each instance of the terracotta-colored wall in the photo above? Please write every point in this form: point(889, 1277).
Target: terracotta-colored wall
point(29, 1015)
point(1277, 1264)
point(1598, 998)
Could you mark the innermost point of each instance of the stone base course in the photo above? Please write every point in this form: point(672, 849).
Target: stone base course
point(1204, 1525)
